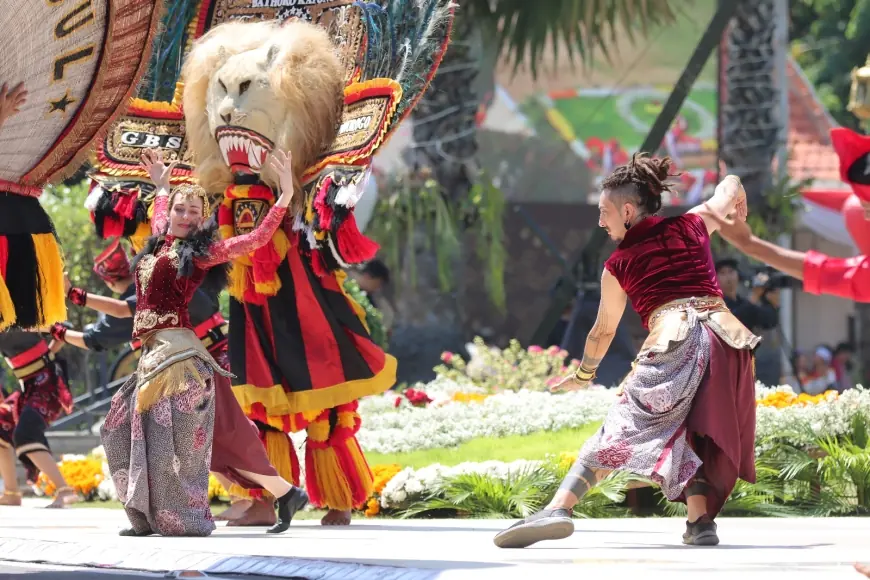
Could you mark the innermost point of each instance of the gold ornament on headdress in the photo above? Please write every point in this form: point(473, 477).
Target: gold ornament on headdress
point(191, 191)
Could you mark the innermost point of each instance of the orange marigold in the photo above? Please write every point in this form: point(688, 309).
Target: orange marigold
point(373, 508)
point(783, 399)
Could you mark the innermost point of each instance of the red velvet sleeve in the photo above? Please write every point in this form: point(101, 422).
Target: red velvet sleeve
point(226, 250)
point(159, 215)
point(843, 277)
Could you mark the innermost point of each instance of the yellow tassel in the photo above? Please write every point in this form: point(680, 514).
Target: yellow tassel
point(7, 308)
point(318, 431)
point(333, 484)
point(140, 236)
point(50, 263)
point(346, 420)
point(361, 466)
point(169, 382)
point(279, 450)
point(237, 281)
point(268, 288)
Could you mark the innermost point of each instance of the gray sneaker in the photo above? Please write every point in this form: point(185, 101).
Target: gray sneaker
point(552, 524)
point(701, 533)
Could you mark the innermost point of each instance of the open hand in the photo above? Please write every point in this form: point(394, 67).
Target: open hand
point(569, 383)
point(741, 209)
point(282, 164)
point(11, 101)
point(158, 171)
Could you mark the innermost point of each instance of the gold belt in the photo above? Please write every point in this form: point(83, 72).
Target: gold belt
point(705, 303)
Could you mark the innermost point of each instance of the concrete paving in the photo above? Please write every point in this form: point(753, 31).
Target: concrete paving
point(444, 549)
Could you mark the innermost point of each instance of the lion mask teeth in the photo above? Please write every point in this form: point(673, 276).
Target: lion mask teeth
point(243, 151)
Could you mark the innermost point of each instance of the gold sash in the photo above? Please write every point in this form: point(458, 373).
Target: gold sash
point(166, 366)
point(672, 322)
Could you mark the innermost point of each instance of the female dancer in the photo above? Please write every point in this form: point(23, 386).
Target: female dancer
point(686, 416)
point(177, 415)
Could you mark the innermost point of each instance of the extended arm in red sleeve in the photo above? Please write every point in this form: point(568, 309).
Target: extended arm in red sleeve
point(226, 250)
point(843, 277)
point(160, 213)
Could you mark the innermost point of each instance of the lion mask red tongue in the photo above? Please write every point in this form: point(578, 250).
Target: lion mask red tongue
point(243, 150)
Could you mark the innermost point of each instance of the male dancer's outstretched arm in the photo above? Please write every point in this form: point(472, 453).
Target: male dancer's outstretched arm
point(610, 311)
point(104, 304)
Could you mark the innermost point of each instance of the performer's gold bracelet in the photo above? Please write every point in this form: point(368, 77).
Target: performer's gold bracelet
point(582, 374)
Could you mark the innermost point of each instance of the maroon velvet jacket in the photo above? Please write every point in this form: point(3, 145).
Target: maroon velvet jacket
point(664, 259)
point(162, 295)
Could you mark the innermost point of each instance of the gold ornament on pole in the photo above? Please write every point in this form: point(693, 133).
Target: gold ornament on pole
point(859, 96)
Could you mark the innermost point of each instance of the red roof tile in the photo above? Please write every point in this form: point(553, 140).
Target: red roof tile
point(809, 143)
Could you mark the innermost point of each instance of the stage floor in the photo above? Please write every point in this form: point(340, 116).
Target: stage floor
point(445, 549)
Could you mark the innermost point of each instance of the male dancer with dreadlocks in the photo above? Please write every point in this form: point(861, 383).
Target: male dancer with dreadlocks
point(686, 415)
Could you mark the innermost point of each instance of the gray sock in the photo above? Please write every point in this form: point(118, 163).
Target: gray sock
point(580, 480)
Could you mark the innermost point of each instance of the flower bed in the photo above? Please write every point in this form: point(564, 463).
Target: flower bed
point(82, 473)
point(457, 414)
point(825, 436)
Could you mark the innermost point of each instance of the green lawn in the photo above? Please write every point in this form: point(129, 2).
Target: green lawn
point(535, 446)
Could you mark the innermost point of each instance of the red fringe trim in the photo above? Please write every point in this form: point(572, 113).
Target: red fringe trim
point(317, 264)
point(126, 205)
point(20, 188)
point(354, 247)
point(358, 490)
point(113, 227)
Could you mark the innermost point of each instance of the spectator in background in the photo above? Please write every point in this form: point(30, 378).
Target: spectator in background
point(759, 313)
point(821, 376)
point(842, 365)
point(372, 279)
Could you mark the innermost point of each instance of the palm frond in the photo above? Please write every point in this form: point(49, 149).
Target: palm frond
point(605, 499)
point(483, 496)
point(524, 31)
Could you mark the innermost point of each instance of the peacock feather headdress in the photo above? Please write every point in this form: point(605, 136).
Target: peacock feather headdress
point(392, 50)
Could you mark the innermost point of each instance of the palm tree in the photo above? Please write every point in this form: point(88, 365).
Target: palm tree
point(522, 34)
point(752, 129)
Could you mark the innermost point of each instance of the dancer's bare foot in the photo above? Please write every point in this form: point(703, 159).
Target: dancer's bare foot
point(11, 498)
point(863, 569)
point(236, 510)
point(261, 513)
point(64, 497)
point(336, 518)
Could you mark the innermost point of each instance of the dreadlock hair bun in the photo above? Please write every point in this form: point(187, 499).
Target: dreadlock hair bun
point(642, 181)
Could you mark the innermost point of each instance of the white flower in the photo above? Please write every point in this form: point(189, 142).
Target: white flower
point(409, 484)
point(386, 429)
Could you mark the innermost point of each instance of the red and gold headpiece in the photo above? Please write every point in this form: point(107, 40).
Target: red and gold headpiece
point(112, 264)
point(189, 191)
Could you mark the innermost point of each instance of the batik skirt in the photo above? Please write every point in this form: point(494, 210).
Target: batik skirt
point(685, 413)
point(160, 458)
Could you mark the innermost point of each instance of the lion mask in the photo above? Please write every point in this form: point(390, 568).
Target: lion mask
point(252, 87)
